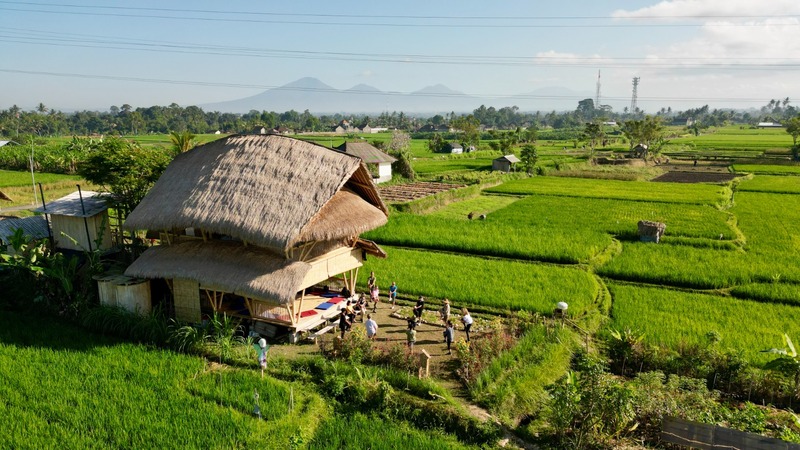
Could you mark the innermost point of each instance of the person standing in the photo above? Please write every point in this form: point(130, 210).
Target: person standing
point(375, 294)
point(449, 336)
point(261, 350)
point(344, 324)
point(411, 334)
point(393, 293)
point(419, 308)
point(371, 326)
point(466, 319)
point(445, 311)
point(371, 281)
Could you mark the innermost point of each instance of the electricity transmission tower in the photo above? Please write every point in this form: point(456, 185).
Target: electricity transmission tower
point(634, 95)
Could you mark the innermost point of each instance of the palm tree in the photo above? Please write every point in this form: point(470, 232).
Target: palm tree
point(182, 142)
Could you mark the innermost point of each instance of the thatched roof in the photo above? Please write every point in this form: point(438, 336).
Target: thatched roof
point(3, 196)
point(267, 190)
point(367, 152)
point(224, 266)
point(70, 205)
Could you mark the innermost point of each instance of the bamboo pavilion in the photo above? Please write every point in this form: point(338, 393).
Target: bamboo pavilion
point(259, 226)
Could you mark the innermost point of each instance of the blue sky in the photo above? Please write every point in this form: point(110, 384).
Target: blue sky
point(91, 55)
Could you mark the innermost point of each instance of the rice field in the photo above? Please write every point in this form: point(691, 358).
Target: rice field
point(704, 194)
point(765, 169)
point(771, 184)
point(546, 228)
point(475, 281)
point(9, 178)
point(669, 318)
point(65, 388)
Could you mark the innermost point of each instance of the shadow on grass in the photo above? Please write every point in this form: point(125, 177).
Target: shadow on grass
point(28, 330)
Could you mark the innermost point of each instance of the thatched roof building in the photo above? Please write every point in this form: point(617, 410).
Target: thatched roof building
point(266, 190)
point(650, 231)
point(259, 218)
point(379, 162)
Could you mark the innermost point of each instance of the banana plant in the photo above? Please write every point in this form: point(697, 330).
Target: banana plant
point(788, 362)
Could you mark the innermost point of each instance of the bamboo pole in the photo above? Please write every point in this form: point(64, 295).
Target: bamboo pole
point(300, 309)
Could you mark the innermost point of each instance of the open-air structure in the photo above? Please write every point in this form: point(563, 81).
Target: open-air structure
point(258, 226)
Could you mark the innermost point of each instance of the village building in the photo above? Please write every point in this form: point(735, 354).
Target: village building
point(261, 227)
point(378, 162)
point(454, 148)
point(505, 163)
point(33, 227)
point(345, 127)
point(79, 221)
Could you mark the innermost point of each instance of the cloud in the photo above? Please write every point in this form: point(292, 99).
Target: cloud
point(712, 8)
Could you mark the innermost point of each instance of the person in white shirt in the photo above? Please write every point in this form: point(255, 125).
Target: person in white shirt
point(466, 319)
point(371, 326)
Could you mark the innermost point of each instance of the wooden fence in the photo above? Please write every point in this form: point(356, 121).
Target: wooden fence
point(711, 437)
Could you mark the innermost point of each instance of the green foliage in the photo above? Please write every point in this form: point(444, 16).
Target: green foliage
point(182, 142)
point(529, 157)
point(360, 430)
point(589, 407)
point(125, 170)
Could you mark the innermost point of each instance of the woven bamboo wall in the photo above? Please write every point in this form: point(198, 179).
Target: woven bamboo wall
point(187, 300)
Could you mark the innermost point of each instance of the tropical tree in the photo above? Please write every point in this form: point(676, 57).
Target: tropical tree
point(125, 171)
point(400, 146)
point(793, 128)
point(787, 363)
point(529, 156)
point(593, 134)
point(182, 142)
point(469, 126)
point(648, 132)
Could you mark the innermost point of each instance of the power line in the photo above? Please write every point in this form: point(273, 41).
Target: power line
point(478, 97)
point(386, 24)
point(396, 16)
point(87, 41)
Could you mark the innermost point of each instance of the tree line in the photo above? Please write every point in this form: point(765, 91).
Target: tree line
point(126, 120)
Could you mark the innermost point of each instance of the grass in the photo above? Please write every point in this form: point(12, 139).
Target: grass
point(773, 184)
point(9, 178)
point(767, 169)
point(65, 388)
point(472, 281)
point(374, 432)
point(671, 318)
point(429, 167)
point(546, 228)
point(513, 385)
point(705, 194)
point(773, 292)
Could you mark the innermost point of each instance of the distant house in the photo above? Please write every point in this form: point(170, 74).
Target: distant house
point(505, 163)
point(640, 151)
point(281, 130)
point(84, 222)
point(374, 130)
point(430, 128)
point(259, 130)
point(378, 162)
point(34, 227)
point(366, 129)
point(345, 127)
point(452, 147)
point(769, 125)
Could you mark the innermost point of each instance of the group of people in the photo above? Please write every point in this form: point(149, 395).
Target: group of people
point(355, 307)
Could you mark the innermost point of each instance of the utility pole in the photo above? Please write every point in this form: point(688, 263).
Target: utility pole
point(597, 94)
point(634, 94)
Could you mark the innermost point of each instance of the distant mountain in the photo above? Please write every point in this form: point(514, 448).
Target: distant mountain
point(319, 98)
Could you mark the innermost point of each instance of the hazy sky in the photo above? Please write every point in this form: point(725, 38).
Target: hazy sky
point(91, 55)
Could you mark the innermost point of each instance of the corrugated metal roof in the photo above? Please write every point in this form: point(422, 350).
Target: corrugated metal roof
point(368, 153)
point(509, 158)
point(71, 205)
point(33, 226)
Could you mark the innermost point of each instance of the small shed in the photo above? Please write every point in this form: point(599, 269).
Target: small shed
point(34, 227)
point(505, 163)
point(651, 231)
point(452, 147)
point(69, 219)
point(379, 163)
point(259, 130)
